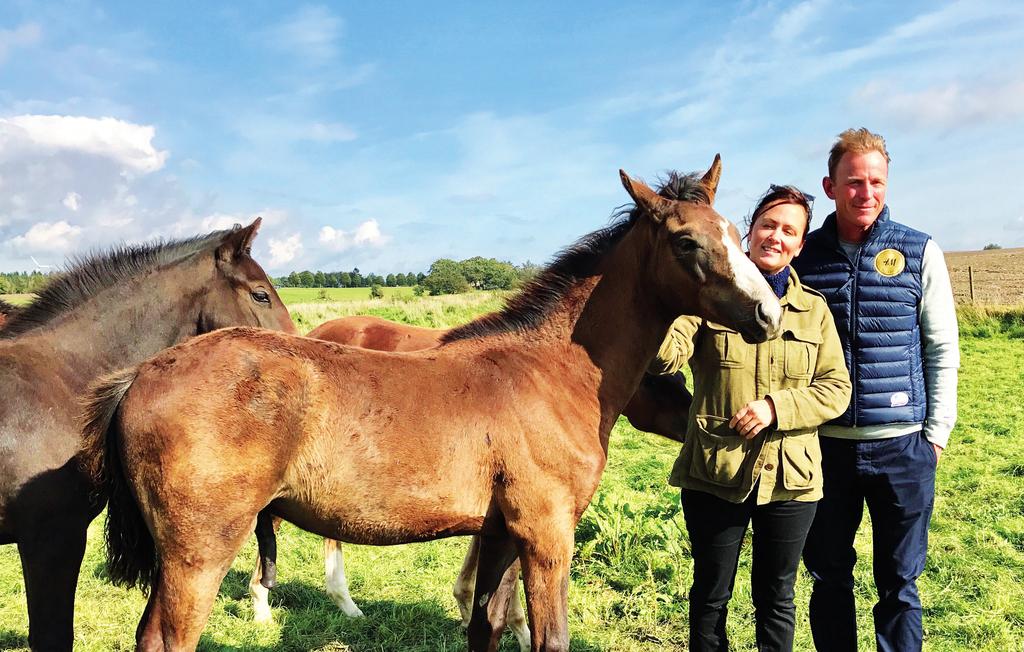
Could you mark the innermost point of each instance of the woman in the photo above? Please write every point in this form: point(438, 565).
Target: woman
point(751, 451)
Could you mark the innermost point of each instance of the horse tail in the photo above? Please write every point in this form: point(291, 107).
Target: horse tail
point(131, 555)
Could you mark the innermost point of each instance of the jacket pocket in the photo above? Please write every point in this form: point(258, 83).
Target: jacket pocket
point(730, 349)
point(800, 349)
point(801, 461)
point(719, 453)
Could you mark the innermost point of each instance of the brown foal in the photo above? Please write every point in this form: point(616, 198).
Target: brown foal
point(500, 431)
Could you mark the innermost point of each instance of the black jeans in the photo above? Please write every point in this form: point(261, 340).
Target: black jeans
point(896, 478)
point(716, 529)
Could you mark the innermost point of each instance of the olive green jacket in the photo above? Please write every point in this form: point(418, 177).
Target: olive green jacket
point(802, 371)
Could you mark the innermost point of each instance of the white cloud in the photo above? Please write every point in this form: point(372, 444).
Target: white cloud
point(72, 201)
point(284, 250)
point(330, 132)
point(954, 104)
point(1016, 224)
point(367, 234)
point(129, 145)
point(56, 237)
point(311, 34)
point(19, 37)
point(796, 20)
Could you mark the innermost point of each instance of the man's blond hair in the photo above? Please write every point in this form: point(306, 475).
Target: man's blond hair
point(857, 141)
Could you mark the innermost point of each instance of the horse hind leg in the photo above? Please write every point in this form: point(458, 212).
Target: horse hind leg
point(335, 581)
point(50, 559)
point(264, 575)
point(495, 586)
point(465, 583)
point(515, 617)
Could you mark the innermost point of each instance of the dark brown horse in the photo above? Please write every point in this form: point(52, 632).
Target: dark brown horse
point(104, 313)
point(660, 405)
point(501, 431)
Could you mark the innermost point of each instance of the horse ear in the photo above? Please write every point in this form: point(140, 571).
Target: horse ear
point(711, 177)
point(644, 197)
point(239, 242)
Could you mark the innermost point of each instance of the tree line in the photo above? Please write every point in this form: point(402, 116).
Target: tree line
point(445, 276)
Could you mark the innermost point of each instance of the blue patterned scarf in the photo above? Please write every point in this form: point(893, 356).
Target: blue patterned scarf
point(778, 281)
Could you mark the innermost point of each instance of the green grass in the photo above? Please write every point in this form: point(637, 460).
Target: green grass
point(306, 295)
point(632, 569)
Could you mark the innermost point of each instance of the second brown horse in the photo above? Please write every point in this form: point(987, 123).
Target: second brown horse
point(660, 406)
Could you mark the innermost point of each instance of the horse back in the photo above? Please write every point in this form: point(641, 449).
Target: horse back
point(370, 332)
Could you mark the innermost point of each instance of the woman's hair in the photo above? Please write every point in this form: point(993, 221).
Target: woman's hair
point(778, 195)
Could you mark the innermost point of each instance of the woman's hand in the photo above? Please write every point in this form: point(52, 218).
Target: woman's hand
point(753, 417)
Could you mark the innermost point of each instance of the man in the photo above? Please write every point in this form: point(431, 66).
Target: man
point(889, 292)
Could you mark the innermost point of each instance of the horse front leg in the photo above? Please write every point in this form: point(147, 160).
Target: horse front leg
point(334, 578)
point(496, 576)
point(51, 556)
point(546, 562)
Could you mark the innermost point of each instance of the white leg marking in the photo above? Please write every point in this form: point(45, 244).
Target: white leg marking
point(465, 583)
point(515, 619)
point(260, 597)
point(337, 585)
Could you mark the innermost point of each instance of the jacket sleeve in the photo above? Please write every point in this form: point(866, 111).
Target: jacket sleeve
point(677, 347)
point(828, 393)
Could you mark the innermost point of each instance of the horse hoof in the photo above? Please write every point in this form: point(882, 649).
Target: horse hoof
point(269, 575)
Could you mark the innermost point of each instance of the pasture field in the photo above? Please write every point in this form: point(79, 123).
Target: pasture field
point(998, 275)
point(632, 570)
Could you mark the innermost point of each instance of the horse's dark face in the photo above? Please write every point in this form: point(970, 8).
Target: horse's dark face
point(699, 267)
point(241, 293)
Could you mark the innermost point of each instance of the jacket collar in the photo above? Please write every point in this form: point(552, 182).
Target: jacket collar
point(796, 297)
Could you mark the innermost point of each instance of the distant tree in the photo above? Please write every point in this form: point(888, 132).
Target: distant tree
point(418, 290)
point(991, 246)
point(376, 292)
point(357, 278)
point(419, 277)
point(294, 281)
point(345, 280)
point(445, 277)
point(319, 280)
point(390, 281)
point(527, 271)
point(488, 273)
point(306, 279)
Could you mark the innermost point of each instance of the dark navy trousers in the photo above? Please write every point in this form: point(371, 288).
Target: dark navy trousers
point(896, 478)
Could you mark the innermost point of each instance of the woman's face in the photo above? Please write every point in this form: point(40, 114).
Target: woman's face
point(777, 236)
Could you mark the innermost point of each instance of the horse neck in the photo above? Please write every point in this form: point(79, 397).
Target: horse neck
point(127, 323)
point(616, 320)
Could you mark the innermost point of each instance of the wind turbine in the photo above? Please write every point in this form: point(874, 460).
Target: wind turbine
point(38, 265)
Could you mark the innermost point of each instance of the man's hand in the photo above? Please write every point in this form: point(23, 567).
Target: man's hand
point(753, 417)
point(938, 453)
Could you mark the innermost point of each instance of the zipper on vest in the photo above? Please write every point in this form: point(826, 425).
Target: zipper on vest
point(853, 335)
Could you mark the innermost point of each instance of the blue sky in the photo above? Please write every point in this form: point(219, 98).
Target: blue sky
point(386, 135)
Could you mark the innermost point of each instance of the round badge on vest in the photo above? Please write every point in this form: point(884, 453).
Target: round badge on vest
point(890, 262)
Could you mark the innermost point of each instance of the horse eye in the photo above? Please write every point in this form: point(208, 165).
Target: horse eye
point(260, 296)
point(685, 245)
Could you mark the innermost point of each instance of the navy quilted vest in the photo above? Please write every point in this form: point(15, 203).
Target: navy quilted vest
point(874, 301)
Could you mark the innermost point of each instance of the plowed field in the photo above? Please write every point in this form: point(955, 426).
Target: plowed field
point(998, 275)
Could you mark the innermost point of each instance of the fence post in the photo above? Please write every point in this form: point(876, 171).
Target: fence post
point(970, 280)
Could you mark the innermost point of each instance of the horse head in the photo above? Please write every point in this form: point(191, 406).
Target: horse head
point(698, 265)
point(241, 293)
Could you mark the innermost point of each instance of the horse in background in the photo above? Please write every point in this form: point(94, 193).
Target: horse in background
point(7, 311)
point(660, 405)
point(500, 431)
point(104, 313)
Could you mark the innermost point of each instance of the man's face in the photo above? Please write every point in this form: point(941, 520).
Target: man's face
point(859, 192)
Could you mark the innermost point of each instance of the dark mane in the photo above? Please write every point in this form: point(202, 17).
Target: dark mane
point(530, 306)
point(95, 272)
point(6, 308)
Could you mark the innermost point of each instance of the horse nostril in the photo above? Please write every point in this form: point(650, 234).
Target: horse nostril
point(760, 314)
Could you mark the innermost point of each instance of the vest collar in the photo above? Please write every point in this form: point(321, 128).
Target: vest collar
point(831, 230)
